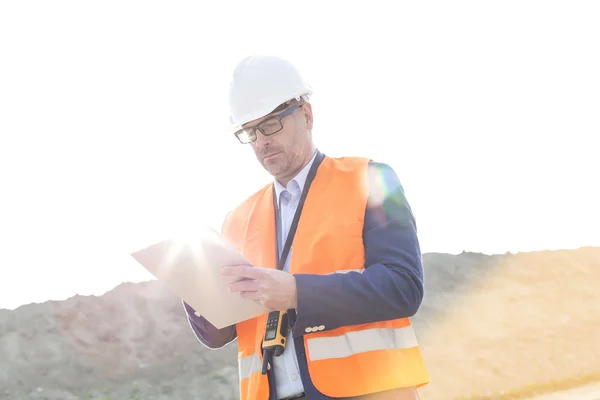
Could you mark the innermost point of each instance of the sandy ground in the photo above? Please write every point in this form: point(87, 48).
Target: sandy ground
point(491, 325)
point(589, 392)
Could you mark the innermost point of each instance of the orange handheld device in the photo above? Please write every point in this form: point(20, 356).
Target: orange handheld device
point(275, 334)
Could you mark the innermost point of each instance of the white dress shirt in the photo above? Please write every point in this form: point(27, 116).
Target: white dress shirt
point(287, 374)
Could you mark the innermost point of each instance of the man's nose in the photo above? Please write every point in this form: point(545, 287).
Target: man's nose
point(262, 140)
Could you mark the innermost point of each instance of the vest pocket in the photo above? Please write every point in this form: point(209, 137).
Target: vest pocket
point(370, 357)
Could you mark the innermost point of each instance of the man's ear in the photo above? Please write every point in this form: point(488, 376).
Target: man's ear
point(307, 115)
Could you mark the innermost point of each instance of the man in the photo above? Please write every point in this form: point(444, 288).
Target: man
point(353, 275)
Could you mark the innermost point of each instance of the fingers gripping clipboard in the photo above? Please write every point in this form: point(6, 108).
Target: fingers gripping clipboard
point(191, 269)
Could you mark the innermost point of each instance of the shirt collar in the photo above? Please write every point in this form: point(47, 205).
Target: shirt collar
point(300, 178)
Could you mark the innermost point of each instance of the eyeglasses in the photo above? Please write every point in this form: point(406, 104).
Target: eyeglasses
point(267, 127)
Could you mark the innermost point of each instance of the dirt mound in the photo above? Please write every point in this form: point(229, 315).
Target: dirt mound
point(488, 324)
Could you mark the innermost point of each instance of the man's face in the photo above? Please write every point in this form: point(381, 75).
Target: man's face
point(283, 153)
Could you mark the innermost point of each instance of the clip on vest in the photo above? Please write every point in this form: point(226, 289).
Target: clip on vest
point(278, 327)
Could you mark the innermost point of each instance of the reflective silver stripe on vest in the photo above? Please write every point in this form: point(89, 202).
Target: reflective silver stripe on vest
point(249, 365)
point(345, 271)
point(361, 341)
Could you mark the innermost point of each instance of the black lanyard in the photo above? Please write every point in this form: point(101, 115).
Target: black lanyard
point(290, 238)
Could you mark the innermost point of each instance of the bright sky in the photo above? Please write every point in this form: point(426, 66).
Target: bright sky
point(112, 113)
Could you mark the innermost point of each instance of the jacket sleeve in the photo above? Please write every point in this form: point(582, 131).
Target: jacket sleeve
point(391, 286)
point(206, 332)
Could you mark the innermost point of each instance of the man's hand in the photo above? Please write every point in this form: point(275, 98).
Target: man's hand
point(272, 288)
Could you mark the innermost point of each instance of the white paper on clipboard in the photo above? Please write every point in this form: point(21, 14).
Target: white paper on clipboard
point(191, 269)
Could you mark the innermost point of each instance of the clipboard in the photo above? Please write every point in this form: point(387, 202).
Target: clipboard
point(191, 269)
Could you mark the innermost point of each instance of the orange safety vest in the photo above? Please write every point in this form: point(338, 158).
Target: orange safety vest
point(343, 362)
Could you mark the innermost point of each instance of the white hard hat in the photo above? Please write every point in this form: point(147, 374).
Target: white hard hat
point(260, 84)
